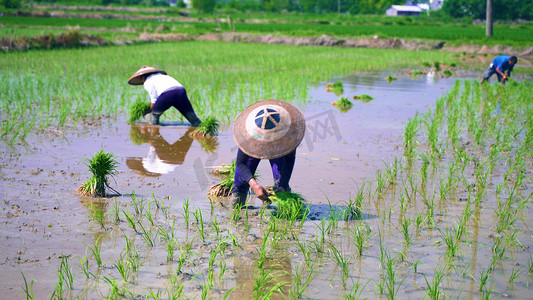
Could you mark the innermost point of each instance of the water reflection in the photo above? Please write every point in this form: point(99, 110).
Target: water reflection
point(162, 157)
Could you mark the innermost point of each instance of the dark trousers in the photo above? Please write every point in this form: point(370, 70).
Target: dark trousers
point(281, 171)
point(176, 97)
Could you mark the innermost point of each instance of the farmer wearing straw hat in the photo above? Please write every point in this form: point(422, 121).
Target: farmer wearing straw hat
point(268, 129)
point(164, 92)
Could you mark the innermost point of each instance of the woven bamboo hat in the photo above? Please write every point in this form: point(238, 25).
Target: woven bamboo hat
point(269, 129)
point(135, 79)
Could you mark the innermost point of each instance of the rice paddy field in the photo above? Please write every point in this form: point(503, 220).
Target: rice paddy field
point(423, 190)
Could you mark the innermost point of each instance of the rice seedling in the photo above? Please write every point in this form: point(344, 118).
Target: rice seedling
point(130, 220)
point(433, 291)
point(95, 251)
point(200, 223)
point(224, 188)
point(138, 109)
point(300, 282)
point(343, 262)
point(337, 88)
point(138, 204)
point(343, 104)
point(447, 73)
point(102, 166)
point(356, 291)
point(84, 267)
point(360, 235)
point(363, 98)
point(484, 277)
point(208, 127)
point(405, 231)
point(289, 206)
point(449, 236)
point(28, 290)
point(186, 213)
point(146, 234)
point(390, 78)
point(514, 274)
point(391, 282)
point(264, 284)
point(122, 266)
point(416, 73)
point(116, 212)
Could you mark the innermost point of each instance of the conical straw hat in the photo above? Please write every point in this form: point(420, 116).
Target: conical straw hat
point(135, 79)
point(269, 129)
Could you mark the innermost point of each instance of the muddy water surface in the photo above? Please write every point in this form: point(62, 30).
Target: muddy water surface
point(44, 219)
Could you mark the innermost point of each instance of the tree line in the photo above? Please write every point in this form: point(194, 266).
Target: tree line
point(474, 9)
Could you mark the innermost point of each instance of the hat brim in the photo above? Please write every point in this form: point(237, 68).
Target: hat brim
point(270, 149)
point(135, 79)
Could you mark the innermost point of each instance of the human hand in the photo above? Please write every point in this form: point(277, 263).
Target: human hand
point(259, 191)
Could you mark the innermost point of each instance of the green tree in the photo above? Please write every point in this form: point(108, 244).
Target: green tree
point(12, 3)
point(206, 6)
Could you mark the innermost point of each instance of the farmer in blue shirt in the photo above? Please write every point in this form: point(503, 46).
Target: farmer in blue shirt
point(268, 129)
point(499, 65)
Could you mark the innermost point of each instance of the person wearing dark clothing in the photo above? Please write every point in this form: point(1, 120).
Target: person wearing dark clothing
point(268, 129)
point(164, 92)
point(246, 166)
point(499, 65)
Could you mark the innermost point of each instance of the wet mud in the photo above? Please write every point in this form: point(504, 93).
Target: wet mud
point(44, 219)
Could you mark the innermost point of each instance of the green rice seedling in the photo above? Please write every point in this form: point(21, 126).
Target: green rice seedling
point(436, 65)
point(514, 274)
point(337, 88)
point(433, 291)
point(116, 212)
point(154, 295)
point(405, 231)
point(360, 235)
point(415, 265)
point(138, 204)
point(363, 98)
point(130, 220)
point(300, 282)
point(484, 277)
point(102, 166)
point(200, 223)
point(356, 291)
point(208, 127)
point(122, 267)
point(264, 284)
point(216, 227)
point(343, 262)
point(449, 236)
point(353, 211)
point(391, 283)
point(28, 290)
point(390, 78)
point(65, 273)
point(186, 213)
point(148, 214)
point(410, 141)
point(138, 109)
point(425, 64)
point(289, 206)
point(416, 73)
point(84, 267)
point(146, 234)
point(95, 251)
point(343, 104)
point(447, 73)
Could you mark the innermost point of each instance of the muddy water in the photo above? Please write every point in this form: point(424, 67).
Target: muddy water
point(44, 219)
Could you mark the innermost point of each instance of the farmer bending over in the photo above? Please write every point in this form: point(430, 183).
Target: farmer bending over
point(164, 92)
point(268, 129)
point(499, 65)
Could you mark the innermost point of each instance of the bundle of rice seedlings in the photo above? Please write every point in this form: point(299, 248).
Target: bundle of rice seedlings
point(390, 78)
point(224, 188)
point(343, 104)
point(102, 165)
point(224, 169)
point(417, 73)
point(447, 73)
point(289, 205)
point(138, 109)
point(337, 88)
point(208, 127)
point(363, 98)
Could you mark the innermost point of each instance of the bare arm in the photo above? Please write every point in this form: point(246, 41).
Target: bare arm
point(259, 191)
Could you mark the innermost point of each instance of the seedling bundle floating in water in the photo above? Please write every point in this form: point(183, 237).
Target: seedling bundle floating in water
point(363, 98)
point(138, 110)
point(337, 88)
point(343, 104)
point(289, 206)
point(102, 165)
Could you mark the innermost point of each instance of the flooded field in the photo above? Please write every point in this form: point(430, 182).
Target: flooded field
point(434, 224)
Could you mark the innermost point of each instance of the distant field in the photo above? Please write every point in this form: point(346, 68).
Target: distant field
point(454, 33)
